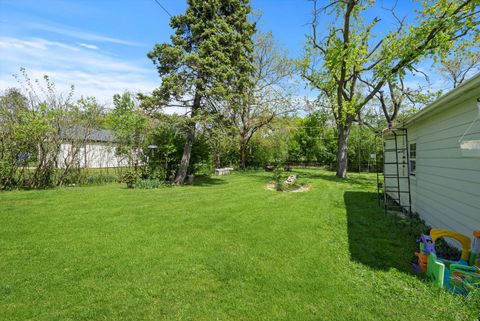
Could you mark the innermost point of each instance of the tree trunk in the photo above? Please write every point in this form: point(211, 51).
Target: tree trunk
point(216, 153)
point(187, 149)
point(243, 156)
point(187, 152)
point(342, 157)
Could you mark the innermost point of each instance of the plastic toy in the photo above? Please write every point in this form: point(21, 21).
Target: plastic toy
point(475, 254)
point(427, 246)
point(464, 240)
point(460, 276)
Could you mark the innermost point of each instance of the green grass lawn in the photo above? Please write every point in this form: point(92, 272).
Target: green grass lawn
point(225, 249)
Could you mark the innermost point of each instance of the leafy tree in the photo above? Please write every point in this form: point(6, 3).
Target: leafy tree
point(129, 125)
point(167, 136)
point(362, 145)
point(16, 145)
point(398, 95)
point(271, 144)
point(309, 136)
point(34, 122)
point(462, 63)
point(223, 142)
point(268, 97)
point(77, 124)
point(349, 65)
point(208, 60)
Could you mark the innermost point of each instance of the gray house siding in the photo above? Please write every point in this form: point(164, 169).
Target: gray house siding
point(445, 189)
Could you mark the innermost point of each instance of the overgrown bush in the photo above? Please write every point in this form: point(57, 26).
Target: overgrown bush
point(203, 169)
point(130, 177)
point(129, 125)
point(155, 173)
point(34, 123)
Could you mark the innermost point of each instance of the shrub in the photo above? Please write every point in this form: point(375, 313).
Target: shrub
point(149, 183)
point(203, 169)
point(278, 178)
point(157, 173)
point(130, 177)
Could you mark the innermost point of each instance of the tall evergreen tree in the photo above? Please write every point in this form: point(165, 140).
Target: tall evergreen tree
point(208, 60)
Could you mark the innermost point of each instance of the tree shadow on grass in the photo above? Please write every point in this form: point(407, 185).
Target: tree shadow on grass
point(377, 240)
point(205, 181)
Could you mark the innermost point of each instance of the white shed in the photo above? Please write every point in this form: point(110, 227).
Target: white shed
point(90, 149)
point(436, 161)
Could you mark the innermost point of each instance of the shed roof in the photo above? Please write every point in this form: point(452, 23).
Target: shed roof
point(81, 133)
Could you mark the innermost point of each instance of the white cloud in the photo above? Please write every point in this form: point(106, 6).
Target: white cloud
point(92, 72)
point(33, 43)
point(88, 36)
point(86, 45)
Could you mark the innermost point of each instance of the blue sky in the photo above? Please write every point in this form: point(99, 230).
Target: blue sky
point(101, 46)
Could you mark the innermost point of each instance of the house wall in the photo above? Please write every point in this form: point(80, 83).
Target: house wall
point(446, 188)
point(94, 155)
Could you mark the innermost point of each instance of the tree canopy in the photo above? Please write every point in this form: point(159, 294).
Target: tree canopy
point(350, 65)
point(208, 61)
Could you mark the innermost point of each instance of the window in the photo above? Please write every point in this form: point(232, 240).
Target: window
point(413, 158)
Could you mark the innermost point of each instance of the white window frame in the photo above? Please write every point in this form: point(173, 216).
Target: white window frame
point(412, 157)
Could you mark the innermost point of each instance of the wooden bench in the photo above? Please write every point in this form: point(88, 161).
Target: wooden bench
point(223, 171)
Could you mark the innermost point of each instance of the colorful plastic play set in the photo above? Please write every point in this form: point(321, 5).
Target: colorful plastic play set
point(462, 276)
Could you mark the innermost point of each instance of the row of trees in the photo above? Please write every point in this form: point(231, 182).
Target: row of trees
point(237, 89)
point(44, 138)
point(34, 123)
point(351, 65)
point(232, 77)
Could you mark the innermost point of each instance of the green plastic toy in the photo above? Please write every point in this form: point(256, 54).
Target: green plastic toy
point(461, 276)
